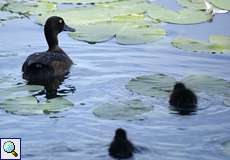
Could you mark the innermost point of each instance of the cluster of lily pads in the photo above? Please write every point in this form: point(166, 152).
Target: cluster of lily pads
point(160, 86)
point(19, 99)
point(129, 21)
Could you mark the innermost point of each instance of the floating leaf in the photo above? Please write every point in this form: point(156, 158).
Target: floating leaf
point(131, 34)
point(202, 5)
point(226, 147)
point(193, 4)
point(29, 8)
point(152, 85)
point(18, 99)
point(184, 16)
point(98, 32)
point(208, 84)
point(81, 1)
point(217, 44)
point(227, 101)
point(101, 12)
point(223, 4)
point(29, 106)
point(162, 85)
point(127, 110)
point(125, 33)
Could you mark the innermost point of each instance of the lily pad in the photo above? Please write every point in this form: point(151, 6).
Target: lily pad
point(98, 32)
point(227, 101)
point(226, 147)
point(138, 34)
point(160, 85)
point(125, 33)
point(223, 4)
point(184, 16)
point(203, 5)
point(127, 110)
point(152, 85)
point(193, 4)
point(18, 99)
point(101, 12)
point(216, 44)
point(207, 84)
point(29, 106)
point(81, 1)
point(28, 8)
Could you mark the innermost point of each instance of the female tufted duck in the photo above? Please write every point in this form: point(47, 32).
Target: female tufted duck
point(40, 67)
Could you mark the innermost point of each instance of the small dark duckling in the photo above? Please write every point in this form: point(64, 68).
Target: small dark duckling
point(183, 98)
point(40, 67)
point(121, 147)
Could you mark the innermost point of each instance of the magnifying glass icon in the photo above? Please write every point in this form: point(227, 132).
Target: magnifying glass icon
point(9, 147)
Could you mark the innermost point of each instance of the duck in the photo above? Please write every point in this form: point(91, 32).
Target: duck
point(121, 147)
point(183, 98)
point(42, 67)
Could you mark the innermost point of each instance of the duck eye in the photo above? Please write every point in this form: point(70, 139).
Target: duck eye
point(60, 21)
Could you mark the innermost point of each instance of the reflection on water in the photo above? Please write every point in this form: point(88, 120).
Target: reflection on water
point(99, 76)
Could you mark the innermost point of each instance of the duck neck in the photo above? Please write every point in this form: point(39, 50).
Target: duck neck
point(52, 40)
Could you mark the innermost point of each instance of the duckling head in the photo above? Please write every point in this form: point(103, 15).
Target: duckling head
point(120, 134)
point(179, 85)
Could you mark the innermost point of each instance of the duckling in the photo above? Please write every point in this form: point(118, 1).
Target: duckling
point(183, 97)
point(40, 67)
point(121, 147)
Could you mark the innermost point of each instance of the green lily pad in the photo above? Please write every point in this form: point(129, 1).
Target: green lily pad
point(184, 16)
point(208, 84)
point(101, 12)
point(127, 110)
point(94, 33)
point(202, 5)
point(217, 44)
point(226, 147)
point(160, 85)
point(223, 4)
point(81, 1)
point(27, 8)
point(152, 85)
point(139, 34)
point(125, 33)
point(227, 101)
point(29, 106)
point(193, 4)
point(18, 99)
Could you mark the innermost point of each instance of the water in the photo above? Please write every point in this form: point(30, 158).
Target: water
point(100, 74)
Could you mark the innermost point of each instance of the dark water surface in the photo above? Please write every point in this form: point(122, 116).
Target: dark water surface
point(100, 74)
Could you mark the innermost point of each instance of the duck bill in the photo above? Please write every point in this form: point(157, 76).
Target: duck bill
point(67, 28)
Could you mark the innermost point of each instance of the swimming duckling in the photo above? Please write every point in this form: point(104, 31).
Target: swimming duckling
point(40, 67)
point(183, 98)
point(121, 147)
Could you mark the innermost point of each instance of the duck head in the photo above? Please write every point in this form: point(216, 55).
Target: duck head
point(53, 26)
point(120, 134)
point(179, 85)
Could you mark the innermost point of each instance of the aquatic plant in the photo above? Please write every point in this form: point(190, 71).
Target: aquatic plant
point(216, 44)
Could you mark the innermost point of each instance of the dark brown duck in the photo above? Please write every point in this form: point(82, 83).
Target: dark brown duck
point(40, 68)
